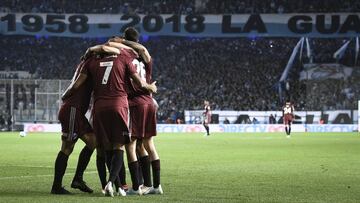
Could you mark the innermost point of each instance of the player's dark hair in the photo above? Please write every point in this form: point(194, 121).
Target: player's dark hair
point(131, 34)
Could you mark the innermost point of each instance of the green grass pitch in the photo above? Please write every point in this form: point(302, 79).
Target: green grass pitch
point(308, 167)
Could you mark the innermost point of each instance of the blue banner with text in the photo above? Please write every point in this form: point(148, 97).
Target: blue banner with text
point(195, 25)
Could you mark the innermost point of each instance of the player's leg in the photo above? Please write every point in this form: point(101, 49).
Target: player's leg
point(118, 181)
point(122, 177)
point(286, 125)
point(133, 165)
point(67, 147)
point(289, 128)
point(140, 173)
point(155, 164)
point(138, 123)
point(144, 164)
point(83, 161)
point(108, 160)
point(208, 121)
point(112, 133)
point(206, 126)
point(115, 166)
point(67, 116)
point(101, 167)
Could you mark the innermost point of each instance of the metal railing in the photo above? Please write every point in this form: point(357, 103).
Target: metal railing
point(29, 100)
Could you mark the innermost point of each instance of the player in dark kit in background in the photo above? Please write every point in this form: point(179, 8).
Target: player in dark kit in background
point(109, 78)
point(207, 117)
point(288, 116)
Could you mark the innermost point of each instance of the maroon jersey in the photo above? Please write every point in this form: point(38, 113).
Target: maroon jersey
point(288, 109)
point(137, 95)
point(109, 77)
point(207, 114)
point(288, 113)
point(81, 98)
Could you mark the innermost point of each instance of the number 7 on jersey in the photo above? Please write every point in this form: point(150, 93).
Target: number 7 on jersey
point(108, 65)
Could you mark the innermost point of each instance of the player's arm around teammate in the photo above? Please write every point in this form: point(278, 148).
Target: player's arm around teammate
point(139, 48)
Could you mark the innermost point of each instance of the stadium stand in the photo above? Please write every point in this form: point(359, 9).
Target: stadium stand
point(191, 69)
point(180, 7)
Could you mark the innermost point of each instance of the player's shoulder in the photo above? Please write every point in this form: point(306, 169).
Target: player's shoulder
point(84, 64)
point(127, 53)
point(89, 61)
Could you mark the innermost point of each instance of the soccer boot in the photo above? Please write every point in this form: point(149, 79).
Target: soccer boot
point(121, 192)
point(60, 191)
point(109, 191)
point(81, 185)
point(125, 187)
point(156, 191)
point(131, 191)
point(145, 190)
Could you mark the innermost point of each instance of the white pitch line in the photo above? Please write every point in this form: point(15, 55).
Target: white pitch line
point(45, 175)
point(28, 166)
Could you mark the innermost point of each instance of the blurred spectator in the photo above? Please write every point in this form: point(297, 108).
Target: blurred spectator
point(272, 119)
point(235, 73)
point(179, 6)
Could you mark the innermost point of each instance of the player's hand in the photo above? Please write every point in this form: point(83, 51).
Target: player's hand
point(152, 87)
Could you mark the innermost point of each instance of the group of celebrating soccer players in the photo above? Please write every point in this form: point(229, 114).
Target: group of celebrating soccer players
point(116, 78)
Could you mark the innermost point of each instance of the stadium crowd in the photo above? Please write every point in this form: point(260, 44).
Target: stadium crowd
point(179, 6)
point(234, 74)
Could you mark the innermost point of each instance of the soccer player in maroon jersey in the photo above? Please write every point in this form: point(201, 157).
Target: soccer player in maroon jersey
point(109, 78)
point(143, 117)
point(207, 117)
point(74, 125)
point(133, 163)
point(288, 116)
point(100, 162)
